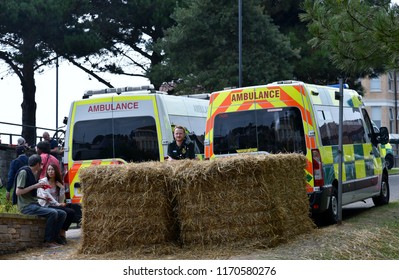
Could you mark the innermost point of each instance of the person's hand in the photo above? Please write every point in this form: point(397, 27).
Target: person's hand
point(8, 195)
point(63, 204)
point(40, 185)
point(169, 158)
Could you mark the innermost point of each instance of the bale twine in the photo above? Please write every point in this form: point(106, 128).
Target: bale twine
point(124, 206)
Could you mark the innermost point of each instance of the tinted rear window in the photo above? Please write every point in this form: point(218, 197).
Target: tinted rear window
point(270, 130)
point(132, 139)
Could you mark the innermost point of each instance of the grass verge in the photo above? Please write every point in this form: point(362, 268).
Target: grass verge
point(370, 235)
point(394, 171)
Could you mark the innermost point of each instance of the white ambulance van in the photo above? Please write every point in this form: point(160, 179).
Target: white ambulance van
point(121, 125)
point(295, 117)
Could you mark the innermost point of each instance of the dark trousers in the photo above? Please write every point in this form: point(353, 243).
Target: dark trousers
point(55, 219)
point(70, 213)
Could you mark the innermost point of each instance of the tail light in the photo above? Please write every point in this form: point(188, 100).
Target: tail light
point(66, 184)
point(317, 168)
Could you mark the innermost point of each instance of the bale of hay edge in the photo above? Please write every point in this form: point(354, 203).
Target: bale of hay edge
point(124, 206)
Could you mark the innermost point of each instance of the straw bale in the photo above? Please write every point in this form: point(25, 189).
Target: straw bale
point(243, 192)
point(227, 200)
point(125, 206)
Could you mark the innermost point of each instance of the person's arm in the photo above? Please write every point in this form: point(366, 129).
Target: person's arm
point(43, 199)
point(61, 197)
point(51, 198)
point(21, 190)
point(170, 152)
point(191, 150)
point(45, 193)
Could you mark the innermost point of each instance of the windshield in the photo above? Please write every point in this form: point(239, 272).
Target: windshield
point(271, 130)
point(132, 139)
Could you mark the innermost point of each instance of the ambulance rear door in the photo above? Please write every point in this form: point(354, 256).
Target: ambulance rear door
point(111, 130)
point(230, 116)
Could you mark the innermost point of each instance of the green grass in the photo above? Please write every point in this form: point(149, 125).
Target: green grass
point(372, 234)
point(5, 205)
point(393, 171)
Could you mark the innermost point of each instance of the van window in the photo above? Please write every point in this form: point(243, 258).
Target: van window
point(352, 130)
point(132, 139)
point(195, 126)
point(270, 130)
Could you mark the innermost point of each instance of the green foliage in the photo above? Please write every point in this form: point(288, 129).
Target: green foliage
point(315, 65)
point(33, 33)
point(202, 48)
point(131, 28)
point(5, 205)
point(360, 36)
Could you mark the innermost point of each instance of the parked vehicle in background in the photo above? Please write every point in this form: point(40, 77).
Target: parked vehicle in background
point(121, 125)
point(386, 150)
point(294, 117)
point(387, 153)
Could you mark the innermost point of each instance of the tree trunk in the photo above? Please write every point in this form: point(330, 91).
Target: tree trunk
point(28, 104)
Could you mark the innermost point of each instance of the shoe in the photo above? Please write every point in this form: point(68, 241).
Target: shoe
point(51, 245)
point(63, 238)
point(59, 240)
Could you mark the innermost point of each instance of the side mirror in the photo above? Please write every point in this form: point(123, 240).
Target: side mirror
point(383, 136)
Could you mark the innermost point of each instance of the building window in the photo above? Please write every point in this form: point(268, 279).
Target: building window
point(391, 82)
point(375, 84)
point(391, 114)
point(376, 115)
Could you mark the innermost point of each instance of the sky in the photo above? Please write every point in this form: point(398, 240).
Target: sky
point(72, 83)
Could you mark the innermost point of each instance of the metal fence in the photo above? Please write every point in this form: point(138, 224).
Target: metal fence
point(10, 138)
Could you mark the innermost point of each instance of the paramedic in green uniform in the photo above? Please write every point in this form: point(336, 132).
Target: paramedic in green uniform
point(181, 147)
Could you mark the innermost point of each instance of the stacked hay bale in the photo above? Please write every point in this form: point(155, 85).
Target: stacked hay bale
point(124, 206)
point(241, 198)
point(227, 200)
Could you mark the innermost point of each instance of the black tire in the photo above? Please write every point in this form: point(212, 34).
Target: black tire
point(389, 161)
point(383, 198)
point(331, 215)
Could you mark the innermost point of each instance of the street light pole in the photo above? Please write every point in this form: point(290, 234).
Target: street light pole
point(56, 98)
point(340, 149)
point(239, 43)
point(395, 89)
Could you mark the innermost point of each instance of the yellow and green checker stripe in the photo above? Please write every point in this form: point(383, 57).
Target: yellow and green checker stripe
point(358, 163)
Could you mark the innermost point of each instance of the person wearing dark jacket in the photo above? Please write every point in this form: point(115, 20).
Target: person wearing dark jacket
point(15, 165)
point(181, 147)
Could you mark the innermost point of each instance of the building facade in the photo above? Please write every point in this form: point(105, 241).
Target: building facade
point(381, 98)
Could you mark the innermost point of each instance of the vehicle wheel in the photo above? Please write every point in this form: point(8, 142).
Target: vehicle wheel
point(331, 215)
point(389, 161)
point(383, 198)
